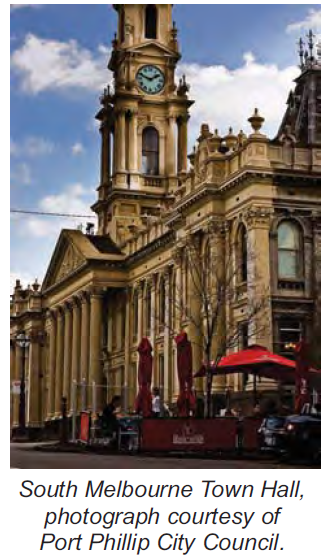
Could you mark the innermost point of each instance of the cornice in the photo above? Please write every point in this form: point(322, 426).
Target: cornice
point(159, 243)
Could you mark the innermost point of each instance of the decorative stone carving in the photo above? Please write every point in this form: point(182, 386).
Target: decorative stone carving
point(256, 216)
point(71, 261)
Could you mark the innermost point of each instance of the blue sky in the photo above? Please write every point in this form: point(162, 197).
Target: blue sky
point(236, 57)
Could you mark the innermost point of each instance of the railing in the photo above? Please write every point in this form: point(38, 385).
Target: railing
point(152, 181)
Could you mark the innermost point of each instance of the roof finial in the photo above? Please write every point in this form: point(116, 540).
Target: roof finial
point(301, 46)
point(310, 38)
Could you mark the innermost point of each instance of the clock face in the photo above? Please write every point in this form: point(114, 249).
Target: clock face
point(150, 79)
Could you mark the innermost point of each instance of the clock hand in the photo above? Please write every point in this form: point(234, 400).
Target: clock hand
point(147, 77)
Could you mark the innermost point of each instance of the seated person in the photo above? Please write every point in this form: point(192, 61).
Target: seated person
point(109, 416)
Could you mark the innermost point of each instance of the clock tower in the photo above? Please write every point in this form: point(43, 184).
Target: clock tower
point(143, 121)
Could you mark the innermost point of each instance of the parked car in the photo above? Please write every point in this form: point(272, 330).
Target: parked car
point(303, 436)
point(296, 436)
point(271, 434)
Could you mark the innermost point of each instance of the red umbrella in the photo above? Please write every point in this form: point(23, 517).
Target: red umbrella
point(186, 400)
point(143, 401)
point(258, 360)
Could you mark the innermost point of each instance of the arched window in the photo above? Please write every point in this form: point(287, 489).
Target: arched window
point(150, 151)
point(242, 254)
point(151, 22)
point(290, 257)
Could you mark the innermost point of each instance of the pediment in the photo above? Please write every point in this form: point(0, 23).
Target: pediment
point(153, 48)
point(65, 260)
point(71, 260)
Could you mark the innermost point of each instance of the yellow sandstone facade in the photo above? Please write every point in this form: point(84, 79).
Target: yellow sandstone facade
point(246, 196)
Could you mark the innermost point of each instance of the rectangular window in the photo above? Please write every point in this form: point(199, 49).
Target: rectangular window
point(243, 336)
point(290, 332)
point(288, 265)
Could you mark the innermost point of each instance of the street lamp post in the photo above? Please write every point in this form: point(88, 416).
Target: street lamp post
point(23, 342)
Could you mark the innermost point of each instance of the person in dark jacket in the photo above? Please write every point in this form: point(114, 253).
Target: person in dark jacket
point(109, 417)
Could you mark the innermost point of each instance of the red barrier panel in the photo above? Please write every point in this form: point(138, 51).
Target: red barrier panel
point(250, 433)
point(188, 434)
point(84, 427)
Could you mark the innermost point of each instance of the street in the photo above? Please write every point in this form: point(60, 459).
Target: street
point(25, 457)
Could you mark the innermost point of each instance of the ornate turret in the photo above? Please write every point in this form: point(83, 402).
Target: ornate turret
point(302, 120)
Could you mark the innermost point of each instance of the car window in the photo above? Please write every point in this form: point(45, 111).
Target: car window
point(274, 422)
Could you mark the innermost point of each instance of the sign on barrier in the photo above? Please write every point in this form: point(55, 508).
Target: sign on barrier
point(84, 427)
point(190, 434)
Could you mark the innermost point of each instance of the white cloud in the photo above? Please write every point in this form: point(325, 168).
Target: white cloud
point(312, 21)
point(21, 175)
point(77, 149)
point(44, 64)
point(32, 146)
point(226, 97)
point(75, 199)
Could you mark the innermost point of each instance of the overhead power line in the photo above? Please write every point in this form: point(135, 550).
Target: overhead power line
point(51, 214)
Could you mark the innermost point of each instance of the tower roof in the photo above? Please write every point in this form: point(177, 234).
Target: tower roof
point(302, 119)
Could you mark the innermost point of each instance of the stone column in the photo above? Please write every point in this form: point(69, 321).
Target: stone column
point(121, 120)
point(33, 383)
point(167, 389)
point(153, 311)
point(12, 378)
point(182, 143)
point(133, 142)
point(75, 354)
point(128, 391)
point(259, 275)
point(219, 241)
point(95, 348)
point(18, 375)
point(51, 365)
point(170, 149)
point(84, 354)
point(194, 307)
point(67, 351)
point(140, 312)
point(177, 312)
point(105, 153)
point(258, 221)
point(59, 361)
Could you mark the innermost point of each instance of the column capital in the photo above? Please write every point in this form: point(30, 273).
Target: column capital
point(67, 307)
point(83, 297)
point(37, 336)
point(51, 314)
point(60, 311)
point(177, 254)
point(140, 287)
point(183, 119)
point(148, 282)
point(258, 217)
point(120, 111)
point(166, 274)
point(96, 293)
